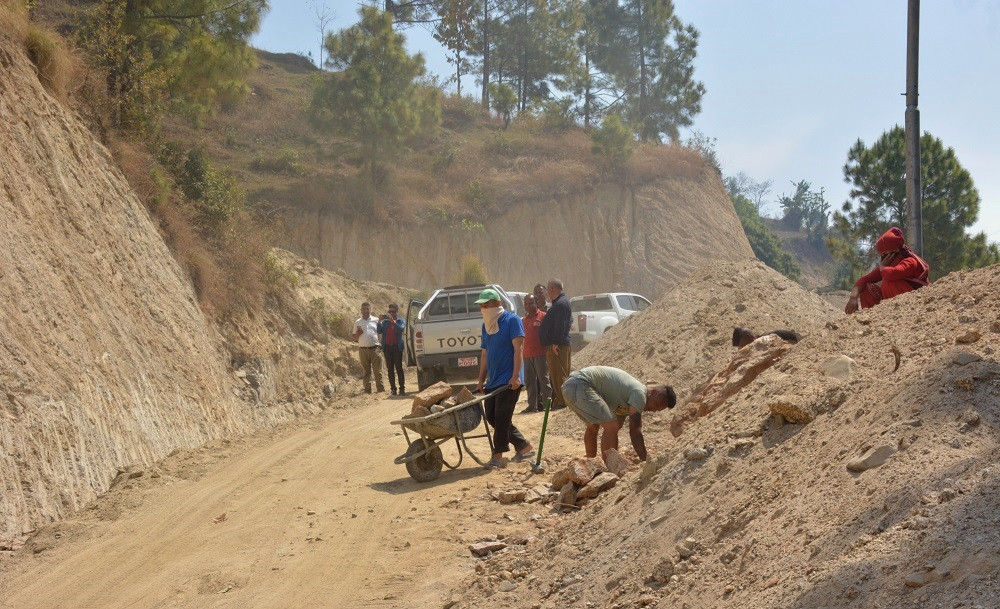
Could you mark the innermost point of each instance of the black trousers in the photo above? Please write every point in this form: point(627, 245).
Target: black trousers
point(500, 414)
point(394, 361)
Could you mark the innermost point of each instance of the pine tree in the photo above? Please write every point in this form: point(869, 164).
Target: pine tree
point(375, 97)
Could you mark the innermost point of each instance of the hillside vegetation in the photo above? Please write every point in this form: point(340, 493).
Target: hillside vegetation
point(467, 169)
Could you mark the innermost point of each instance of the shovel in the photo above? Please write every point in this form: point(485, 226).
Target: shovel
point(537, 466)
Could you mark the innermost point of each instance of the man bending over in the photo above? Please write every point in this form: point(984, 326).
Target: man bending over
point(603, 397)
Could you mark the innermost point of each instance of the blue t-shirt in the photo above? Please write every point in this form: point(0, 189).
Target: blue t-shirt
point(500, 350)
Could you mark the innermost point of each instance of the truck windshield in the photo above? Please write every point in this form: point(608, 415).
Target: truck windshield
point(602, 303)
point(454, 305)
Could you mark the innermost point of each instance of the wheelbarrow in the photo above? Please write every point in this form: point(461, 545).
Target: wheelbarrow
point(423, 456)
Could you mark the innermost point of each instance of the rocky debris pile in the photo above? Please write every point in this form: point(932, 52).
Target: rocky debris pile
point(822, 482)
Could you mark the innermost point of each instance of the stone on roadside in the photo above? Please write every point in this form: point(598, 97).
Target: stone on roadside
point(598, 485)
point(432, 395)
point(507, 586)
point(329, 390)
point(873, 458)
point(839, 367)
point(696, 454)
point(663, 570)
point(794, 409)
point(969, 337)
point(616, 463)
point(567, 495)
point(964, 358)
point(580, 470)
point(483, 548)
point(512, 496)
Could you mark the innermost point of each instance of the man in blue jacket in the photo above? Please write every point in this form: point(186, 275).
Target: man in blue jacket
point(554, 336)
point(500, 367)
point(390, 330)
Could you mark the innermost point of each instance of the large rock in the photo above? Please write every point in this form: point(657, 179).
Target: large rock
point(580, 470)
point(437, 392)
point(616, 463)
point(745, 366)
point(873, 458)
point(793, 408)
point(567, 494)
point(839, 367)
point(598, 485)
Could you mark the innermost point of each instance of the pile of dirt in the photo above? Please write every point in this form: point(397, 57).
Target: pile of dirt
point(685, 336)
point(887, 497)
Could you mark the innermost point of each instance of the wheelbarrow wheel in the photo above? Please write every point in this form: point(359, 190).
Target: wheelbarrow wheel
point(426, 467)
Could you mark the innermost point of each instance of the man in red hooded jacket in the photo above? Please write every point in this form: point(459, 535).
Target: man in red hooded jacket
point(899, 271)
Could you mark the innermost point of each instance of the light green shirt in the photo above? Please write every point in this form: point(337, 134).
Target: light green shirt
point(618, 388)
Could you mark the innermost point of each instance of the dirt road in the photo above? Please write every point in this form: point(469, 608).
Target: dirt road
point(314, 516)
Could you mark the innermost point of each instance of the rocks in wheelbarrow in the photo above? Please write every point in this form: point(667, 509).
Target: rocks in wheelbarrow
point(438, 392)
point(463, 396)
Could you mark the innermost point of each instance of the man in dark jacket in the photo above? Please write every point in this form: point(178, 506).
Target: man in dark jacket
point(554, 336)
point(390, 330)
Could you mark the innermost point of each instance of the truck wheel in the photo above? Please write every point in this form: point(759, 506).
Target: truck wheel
point(426, 467)
point(426, 378)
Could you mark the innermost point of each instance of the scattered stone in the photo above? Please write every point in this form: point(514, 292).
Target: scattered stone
point(956, 443)
point(454, 600)
point(432, 395)
point(484, 548)
point(616, 463)
point(648, 471)
point(567, 494)
point(839, 367)
point(310, 512)
point(663, 570)
point(871, 459)
point(965, 384)
point(969, 337)
point(329, 390)
point(916, 580)
point(507, 586)
point(580, 470)
point(688, 548)
point(696, 454)
point(598, 485)
point(970, 419)
point(792, 409)
point(964, 358)
point(512, 496)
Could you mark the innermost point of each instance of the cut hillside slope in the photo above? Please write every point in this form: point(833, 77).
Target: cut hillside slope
point(107, 363)
point(685, 336)
point(611, 238)
point(768, 515)
point(106, 358)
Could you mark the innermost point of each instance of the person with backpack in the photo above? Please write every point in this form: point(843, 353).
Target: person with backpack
point(899, 270)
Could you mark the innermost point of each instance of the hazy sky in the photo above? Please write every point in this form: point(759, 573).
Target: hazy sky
point(791, 84)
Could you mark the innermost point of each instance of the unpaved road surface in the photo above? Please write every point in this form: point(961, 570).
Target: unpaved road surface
point(231, 527)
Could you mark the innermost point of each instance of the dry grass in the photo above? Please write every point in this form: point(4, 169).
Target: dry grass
point(59, 68)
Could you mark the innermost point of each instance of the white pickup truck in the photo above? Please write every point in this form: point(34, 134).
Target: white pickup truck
point(443, 334)
point(595, 313)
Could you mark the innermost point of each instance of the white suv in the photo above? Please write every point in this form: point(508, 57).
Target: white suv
point(595, 313)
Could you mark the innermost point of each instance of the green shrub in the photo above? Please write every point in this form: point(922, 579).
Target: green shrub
point(613, 141)
point(472, 270)
point(287, 161)
point(557, 115)
point(216, 197)
point(499, 144)
point(475, 195)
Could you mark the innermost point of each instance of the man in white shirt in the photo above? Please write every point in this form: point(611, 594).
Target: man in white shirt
point(366, 334)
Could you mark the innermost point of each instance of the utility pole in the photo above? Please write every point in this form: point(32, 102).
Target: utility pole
point(914, 211)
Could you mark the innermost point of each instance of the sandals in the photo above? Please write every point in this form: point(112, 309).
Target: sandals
point(528, 455)
point(494, 464)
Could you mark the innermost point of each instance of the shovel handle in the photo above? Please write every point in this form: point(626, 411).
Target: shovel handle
point(541, 441)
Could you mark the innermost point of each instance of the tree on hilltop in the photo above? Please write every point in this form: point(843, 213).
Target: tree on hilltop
point(375, 97)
